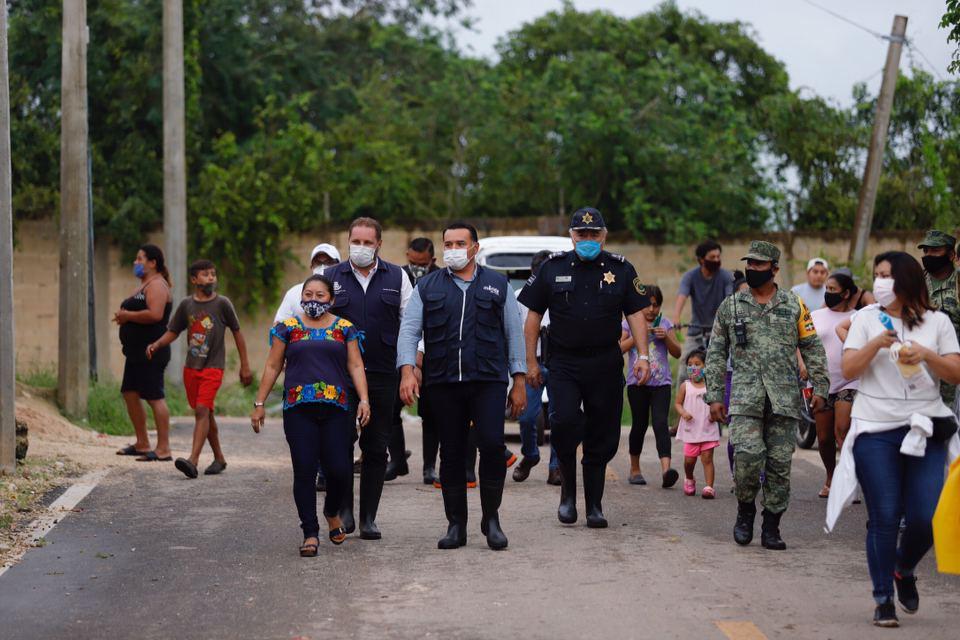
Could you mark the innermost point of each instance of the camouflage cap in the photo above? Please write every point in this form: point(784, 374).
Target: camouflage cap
point(762, 251)
point(936, 238)
point(587, 218)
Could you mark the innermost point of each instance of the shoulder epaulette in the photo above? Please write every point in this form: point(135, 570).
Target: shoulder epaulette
point(618, 257)
point(557, 254)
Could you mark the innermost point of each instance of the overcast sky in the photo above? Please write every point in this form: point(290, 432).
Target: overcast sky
point(819, 50)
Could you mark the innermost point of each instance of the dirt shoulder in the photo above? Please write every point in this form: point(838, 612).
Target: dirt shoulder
point(58, 452)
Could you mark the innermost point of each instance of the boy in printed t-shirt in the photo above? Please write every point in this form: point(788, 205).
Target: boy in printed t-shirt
point(205, 316)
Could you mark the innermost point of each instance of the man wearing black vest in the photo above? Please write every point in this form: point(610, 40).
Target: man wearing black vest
point(420, 262)
point(372, 294)
point(470, 323)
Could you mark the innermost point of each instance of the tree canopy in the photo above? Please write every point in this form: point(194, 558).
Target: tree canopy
point(302, 113)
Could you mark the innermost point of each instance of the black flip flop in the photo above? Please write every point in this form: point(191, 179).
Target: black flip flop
point(151, 456)
point(188, 468)
point(335, 533)
point(309, 550)
point(131, 450)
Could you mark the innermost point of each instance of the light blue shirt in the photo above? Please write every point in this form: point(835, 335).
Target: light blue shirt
point(411, 329)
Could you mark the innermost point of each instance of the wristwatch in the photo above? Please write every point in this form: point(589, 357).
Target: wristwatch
point(643, 357)
point(257, 405)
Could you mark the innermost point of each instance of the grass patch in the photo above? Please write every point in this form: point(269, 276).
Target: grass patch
point(38, 376)
point(107, 412)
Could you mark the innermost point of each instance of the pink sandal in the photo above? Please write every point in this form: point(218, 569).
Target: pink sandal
point(708, 493)
point(690, 487)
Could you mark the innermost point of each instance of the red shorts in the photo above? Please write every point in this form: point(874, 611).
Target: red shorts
point(694, 449)
point(201, 386)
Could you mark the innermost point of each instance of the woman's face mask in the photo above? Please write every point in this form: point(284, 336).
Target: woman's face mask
point(314, 308)
point(883, 291)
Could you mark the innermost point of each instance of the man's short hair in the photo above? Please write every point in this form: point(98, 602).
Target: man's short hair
point(419, 245)
point(463, 225)
point(366, 222)
point(200, 265)
point(539, 258)
point(706, 247)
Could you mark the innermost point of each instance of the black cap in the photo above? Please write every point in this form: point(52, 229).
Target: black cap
point(587, 218)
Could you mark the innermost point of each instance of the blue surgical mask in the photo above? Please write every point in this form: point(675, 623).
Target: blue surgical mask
point(314, 308)
point(588, 249)
point(138, 269)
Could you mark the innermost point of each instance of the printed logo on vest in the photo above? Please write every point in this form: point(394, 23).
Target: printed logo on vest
point(492, 289)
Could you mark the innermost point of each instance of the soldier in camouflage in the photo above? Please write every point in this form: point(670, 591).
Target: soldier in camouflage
point(760, 329)
point(939, 254)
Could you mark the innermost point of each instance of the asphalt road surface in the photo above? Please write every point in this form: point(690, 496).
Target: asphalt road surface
point(151, 554)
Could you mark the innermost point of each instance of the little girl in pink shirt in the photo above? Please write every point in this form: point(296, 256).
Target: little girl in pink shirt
point(699, 434)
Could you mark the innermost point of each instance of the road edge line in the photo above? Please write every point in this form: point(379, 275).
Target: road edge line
point(58, 510)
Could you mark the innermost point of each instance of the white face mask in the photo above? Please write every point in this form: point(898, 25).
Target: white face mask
point(883, 291)
point(456, 259)
point(362, 256)
point(319, 269)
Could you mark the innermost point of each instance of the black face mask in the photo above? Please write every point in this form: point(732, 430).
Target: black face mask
point(208, 288)
point(711, 265)
point(757, 279)
point(936, 264)
point(832, 299)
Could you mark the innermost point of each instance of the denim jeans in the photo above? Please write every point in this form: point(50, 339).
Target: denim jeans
point(896, 485)
point(528, 424)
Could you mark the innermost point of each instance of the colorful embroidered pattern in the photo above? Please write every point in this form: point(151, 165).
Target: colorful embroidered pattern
point(293, 330)
point(316, 392)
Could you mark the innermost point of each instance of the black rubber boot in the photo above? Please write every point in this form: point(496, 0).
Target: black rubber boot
point(371, 486)
point(743, 529)
point(346, 511)
point(567, 512)
point(490, 497)
point(593, 481)
point(455, 506)
point(770, 532)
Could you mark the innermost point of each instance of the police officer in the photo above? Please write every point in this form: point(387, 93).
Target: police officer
point(473, 345)
point(939, 256)
point(587, 291)
point(372, 294)
point(761, 328)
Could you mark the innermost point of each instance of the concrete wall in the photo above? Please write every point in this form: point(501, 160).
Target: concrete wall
point(36, 277)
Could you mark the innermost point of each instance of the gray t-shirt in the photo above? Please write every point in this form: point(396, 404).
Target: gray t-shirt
point(705, 295)
point(205, 323)
point(811, 297)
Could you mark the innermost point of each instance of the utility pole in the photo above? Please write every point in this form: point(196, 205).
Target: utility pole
point(73, 362)
point(878, 141)
point(8, 423)
point(174, 163)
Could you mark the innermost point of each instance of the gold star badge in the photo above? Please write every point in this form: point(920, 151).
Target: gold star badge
point(609, 278)
point(587, 218)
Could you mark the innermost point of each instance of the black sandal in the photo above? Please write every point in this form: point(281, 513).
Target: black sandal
point(337, 533)
point(309, 550)
point(131, 450)
point(151, 456)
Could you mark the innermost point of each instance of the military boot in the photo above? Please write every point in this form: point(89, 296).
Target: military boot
point(490, 496)
point(593, 481)
point(567, 512)
point(455, 506)
point(743, 529)
point(770, 532)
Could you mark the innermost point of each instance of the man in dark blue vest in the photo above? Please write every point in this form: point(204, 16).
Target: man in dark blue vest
point(473, 344)
point(372, 294)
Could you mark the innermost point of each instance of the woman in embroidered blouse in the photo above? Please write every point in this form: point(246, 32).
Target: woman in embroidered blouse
point(321, 353)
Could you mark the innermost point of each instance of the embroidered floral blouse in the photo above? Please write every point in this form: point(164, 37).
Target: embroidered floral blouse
point(316, 361)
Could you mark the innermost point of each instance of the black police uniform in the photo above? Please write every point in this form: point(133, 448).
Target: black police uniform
point(586, 301)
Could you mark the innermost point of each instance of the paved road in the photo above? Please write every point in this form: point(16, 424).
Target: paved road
point(153, 555)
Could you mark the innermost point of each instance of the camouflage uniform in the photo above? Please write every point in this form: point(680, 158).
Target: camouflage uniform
point(944, 296)
point(765, 397)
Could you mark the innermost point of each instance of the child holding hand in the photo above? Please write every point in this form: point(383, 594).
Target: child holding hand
point(699, 434)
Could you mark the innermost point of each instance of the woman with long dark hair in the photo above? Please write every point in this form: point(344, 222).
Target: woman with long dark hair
point(901, 432)
point(143, 319)
point(833, 421)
